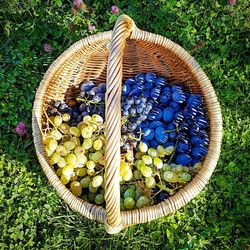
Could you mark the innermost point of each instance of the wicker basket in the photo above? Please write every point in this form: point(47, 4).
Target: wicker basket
point(113, 56)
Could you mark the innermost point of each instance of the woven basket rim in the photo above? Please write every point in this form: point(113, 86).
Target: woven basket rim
point(184, 195)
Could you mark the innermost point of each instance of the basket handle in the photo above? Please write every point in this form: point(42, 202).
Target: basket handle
point(122, 30)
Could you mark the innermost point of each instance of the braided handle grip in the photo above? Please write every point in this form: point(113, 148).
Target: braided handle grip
point(123, 28)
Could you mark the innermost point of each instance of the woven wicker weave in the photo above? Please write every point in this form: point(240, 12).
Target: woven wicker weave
point(113, 56)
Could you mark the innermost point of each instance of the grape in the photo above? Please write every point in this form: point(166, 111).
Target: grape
point(122, 204)
point(166, 167)
point(97, 181)
point(81, 158)
point(124, 167)
point(147, 159)
point(61, 163)
point(129, 193)
point(55, 158)
point(76, 188)
point(75, 131)
point(66, 117)
point(129, 202)
point(184, 177)
point(92, 189)
point(178, 169)
point(142, 202)
point(137, 174)
point(67, 171)
point(170, 176)
point(79, 150)
point(87, 143)
point(58, 121)
point(150, 182)
point(139, 164)
point(52, 145)
point(56, 135)
point(69, 145)
point(146, 171)
point(97, 156)
point(87, 132)
point(138, 155)
point(64, 128)
point(81, 172)
point(158, 162)
point(143, 147)
point(71, 159)
point(161, 151)
point(49, 152)
point(59, 172)
point(91, 197)
point(97, 118)
point(90, 164)
point(85, 181)
point(97, 144)
point(61, 150)
point(129, 155)
point(87, 118)
point(99, 199)
point(152, 152)
point(169, 150)
point(128, 175)
point(64, 179)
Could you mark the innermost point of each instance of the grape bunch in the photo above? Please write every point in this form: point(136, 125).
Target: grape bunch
point(77, 155)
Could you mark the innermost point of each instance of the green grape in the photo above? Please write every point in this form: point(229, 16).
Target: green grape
point(97, 181)
point(87, 118)
point(102, 190)
point(170, 176)
point(130, 192)
point(97, 156)
point(68, 171)
point(90, 156)
point(138, 155)
point(169, 150)
point(55, 134)
point(69, 145)
point(64, 128)
point(58, 121)
point(143, 147)
point(92, 189)
point(99, 199)
point(55, 158)
point(61, 150)
point(52, 145)
point(76, 140)
point(61, 163)
point(166, 167)
point(150, 182)
point(184, 177)
point(90, 164)
point(146, 171)
point(128, 175)
point(93, 126)
point(161, 151)
point(138, 194)
point(139, 164)
point(185, 169)
point(158, 162)
point(87, 143)
point(92, 150)
point(76, 188)
point(147, 159)
point(197, 167)
point(137, 174)
point(124, 167)
point(49, 152)
point(91, 197)
point(64, 179)
point(129, 155)
point(79, 150)
point(66, 117)
point(81, 158)
point(85, 181)
point(59, 172)
point(87, 132)
point(178, 169)
point(152, 152)
point(90, 172)
point(75, 131)
point(71, 159)
point(81, 172)
point(85, 197)
point(97, 118)
point(97, 145)
point(129, 202)
point(142, 202)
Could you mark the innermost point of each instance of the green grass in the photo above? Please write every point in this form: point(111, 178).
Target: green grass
point(32, 216)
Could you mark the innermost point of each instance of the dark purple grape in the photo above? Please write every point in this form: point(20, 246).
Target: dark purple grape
point(86, 86)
